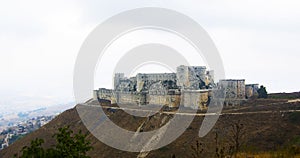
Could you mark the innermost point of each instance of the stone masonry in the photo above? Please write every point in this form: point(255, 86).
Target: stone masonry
point(190, 86)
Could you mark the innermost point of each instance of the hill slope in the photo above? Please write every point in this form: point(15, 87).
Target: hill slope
point(267, 125)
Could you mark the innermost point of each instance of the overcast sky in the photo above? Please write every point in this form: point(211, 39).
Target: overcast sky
point(257, 40)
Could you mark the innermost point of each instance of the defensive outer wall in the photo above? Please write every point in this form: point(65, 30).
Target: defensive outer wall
point(190, 86)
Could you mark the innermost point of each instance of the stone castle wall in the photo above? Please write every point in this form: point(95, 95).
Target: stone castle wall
point(189, 86)
point(251, 90)
point(191, 98)
point(235, 91)
point(195, 99)
point(144, 81)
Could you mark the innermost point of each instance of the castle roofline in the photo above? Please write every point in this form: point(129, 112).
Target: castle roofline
point(155, 73)
point(197, 90)
point(233, 80)
point(252, 84)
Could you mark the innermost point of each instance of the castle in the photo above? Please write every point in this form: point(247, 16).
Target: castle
point(190, 86)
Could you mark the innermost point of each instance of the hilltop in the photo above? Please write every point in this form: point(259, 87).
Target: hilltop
point(267, 124)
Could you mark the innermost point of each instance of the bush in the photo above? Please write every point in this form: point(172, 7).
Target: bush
point(262, 92)
point(68, 145)
point(294, 117)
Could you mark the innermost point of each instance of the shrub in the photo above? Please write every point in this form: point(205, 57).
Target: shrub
point(68, 145)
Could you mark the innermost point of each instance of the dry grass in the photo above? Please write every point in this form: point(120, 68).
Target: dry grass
point(263, 132)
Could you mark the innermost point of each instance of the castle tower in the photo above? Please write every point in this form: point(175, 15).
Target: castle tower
point(117, 78)
point(235, 90)
point(191, 77)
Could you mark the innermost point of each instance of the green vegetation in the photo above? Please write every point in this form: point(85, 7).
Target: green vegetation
point(295, 95)
point(296, 141)
point(35, 150)
point(294, 117)
point(68, 145)
point(262, 92)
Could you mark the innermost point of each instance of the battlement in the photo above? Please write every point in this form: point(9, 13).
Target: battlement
point(189, 86)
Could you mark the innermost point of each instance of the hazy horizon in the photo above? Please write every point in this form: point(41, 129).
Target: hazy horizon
point(257, 40)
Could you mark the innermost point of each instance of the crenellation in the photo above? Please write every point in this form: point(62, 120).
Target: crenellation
point(190, 86)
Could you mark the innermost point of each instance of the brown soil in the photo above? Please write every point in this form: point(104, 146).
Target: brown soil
point(262, 131)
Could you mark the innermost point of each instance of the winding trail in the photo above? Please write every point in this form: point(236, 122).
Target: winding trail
point(157, 137)
point(197, 114)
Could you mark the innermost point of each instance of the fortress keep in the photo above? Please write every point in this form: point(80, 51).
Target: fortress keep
point(190, 86)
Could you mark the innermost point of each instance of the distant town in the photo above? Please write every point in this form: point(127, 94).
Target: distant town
point(18, 130)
